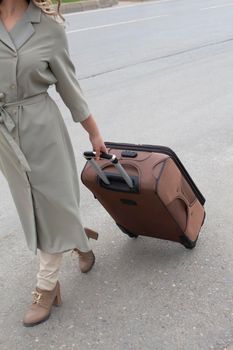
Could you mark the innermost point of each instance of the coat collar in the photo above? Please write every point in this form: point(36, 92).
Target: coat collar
point(23, 29)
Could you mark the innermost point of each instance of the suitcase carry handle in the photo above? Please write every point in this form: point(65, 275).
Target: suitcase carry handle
point(114, 160)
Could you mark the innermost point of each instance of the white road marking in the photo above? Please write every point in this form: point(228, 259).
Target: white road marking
point(216, 7)
point(117, 7)
point(115, 24)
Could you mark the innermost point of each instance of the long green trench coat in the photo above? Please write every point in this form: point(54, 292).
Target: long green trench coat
point(36, 154)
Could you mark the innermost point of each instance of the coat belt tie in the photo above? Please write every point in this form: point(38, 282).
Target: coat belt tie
point(7, 124)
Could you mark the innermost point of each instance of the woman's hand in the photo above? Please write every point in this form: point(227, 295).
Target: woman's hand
point(98, 145)
point(97, 142)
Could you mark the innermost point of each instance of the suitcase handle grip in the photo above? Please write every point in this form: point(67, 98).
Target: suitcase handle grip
point(103, 155)
point(114, 160)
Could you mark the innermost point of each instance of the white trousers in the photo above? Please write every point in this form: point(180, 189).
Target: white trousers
point(49, 270)
point(47, 276)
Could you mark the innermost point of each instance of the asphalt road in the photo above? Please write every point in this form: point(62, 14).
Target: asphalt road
point(156, 72)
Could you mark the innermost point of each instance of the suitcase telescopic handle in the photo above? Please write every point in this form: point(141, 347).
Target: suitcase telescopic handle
point(113, 159)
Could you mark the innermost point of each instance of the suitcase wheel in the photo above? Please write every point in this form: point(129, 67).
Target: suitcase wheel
point(132, 235)
point(128, 233)
point(187, 243)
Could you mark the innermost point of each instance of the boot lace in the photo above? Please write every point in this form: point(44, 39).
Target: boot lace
point(36, 297)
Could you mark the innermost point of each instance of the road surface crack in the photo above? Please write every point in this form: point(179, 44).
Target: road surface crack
point(173, 54)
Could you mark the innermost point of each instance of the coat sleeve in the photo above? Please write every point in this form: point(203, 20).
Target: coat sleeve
point(67, 84)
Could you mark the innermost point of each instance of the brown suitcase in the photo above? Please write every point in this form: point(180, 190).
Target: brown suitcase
point(147, 191)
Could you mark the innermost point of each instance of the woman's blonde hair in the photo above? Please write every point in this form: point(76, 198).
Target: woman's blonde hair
point(48, 7)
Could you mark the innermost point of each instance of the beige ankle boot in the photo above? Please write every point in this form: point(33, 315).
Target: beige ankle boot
point(40, 310)
point(87, 259)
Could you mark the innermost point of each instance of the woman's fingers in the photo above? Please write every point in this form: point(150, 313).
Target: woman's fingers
point(98, 145)
point(99, 149)
point(103, 148)
point(97, 156)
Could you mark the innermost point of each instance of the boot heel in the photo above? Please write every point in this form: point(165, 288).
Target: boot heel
point(91, 234)
point(57, 300)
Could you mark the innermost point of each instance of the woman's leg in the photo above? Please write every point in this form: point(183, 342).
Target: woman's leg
point(86, 259)
point(47, 291)
point(47, 276)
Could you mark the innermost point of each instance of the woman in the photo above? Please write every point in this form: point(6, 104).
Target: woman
point(36, 154)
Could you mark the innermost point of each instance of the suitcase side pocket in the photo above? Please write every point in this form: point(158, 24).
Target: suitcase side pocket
point(180, 200)
point(189, 216)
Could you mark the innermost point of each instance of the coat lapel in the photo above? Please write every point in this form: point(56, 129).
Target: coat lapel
point(5, 38)
point(22, 32)
point(23, 29)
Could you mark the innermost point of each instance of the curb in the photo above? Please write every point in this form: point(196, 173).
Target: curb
point(87, 5)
